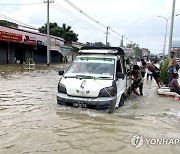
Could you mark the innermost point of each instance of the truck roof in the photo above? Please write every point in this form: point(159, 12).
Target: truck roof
point(101, 50)
point(98, 56)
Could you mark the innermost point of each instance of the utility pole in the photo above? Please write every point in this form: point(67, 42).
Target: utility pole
point(122, 41)
point(48, 39)
point(165, 36)
point(107, 36)
point(171, 29)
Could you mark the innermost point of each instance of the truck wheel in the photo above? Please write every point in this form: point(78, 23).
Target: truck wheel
point(129, 90)
point(111, 107)
point(121, 102)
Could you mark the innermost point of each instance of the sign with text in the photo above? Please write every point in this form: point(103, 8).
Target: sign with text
point(10, 37)
point(30, 40)
point(65, 50)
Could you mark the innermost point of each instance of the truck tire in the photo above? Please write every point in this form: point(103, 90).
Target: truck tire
point(129, 90)
point(111, 107)
point(121, 102)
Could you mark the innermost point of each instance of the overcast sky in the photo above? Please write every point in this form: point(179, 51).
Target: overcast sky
point(136, 19)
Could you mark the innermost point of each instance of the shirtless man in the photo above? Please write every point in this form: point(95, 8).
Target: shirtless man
point(155, 72)
point(171, 66)
point(174, 85)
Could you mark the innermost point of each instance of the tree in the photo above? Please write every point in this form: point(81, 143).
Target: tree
point(6, 23)
point(97, 44)
point(163, 71)
point(138, 51)
point(64, 31)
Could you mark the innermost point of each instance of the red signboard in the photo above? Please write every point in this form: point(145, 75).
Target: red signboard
point(10, 37)
point(29, 41)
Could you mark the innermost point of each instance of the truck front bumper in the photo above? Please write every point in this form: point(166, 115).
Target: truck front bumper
point(97, 103)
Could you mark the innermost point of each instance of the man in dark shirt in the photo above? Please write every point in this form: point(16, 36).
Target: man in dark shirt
point(137, 80)
point(143, 70)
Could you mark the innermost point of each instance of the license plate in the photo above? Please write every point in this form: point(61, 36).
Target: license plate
point(80, 105)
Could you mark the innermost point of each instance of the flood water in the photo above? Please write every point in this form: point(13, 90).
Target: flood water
point(32, 122)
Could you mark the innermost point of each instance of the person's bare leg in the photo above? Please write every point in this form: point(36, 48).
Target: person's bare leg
point(135, 91)
point(141, 89)
point(158, 83)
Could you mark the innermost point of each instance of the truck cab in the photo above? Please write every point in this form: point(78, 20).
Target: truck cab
point(97, 79)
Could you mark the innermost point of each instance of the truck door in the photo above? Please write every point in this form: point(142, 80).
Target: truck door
point(121, 83)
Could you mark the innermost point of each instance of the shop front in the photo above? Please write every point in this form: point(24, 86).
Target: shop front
point(9, 43)
point(17, 46)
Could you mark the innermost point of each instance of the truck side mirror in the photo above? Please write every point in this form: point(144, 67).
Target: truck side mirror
point(61, 72)
point(120, 75)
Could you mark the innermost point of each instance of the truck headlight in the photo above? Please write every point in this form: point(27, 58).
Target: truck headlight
point(108, 92)
point(62, 88)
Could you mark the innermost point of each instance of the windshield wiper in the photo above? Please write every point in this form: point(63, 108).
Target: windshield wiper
point(85, 77)
point(69, 77)
point(104, 77)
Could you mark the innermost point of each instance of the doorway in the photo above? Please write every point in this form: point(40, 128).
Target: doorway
point(19, 54)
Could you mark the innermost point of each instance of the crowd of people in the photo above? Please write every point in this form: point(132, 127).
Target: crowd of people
point(152, 71)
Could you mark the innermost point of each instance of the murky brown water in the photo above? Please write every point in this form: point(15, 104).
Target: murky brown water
point(32, 122)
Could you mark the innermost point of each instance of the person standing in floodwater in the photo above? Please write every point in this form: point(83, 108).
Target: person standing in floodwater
point(174, 85)
point(155, 72)
point(143, 70)
point(137, 80)
point(171, 66)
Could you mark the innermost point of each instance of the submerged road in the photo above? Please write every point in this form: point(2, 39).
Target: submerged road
point(32, 122)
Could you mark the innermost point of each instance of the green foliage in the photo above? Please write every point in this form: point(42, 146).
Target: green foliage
point(163, 72)
point(64, 31)
point(30, 61)
point(98, 44)
point(8, 24)
point(131, 45)
point(138, 51)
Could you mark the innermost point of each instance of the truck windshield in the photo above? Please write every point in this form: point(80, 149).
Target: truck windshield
point(98, 68)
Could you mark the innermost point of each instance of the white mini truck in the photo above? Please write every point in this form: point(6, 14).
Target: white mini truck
point(96, 79)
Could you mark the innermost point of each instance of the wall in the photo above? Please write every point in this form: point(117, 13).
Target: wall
point(28, 52)
point(3, 53)
point(56, 57)
point(11, 54)
point(40, 55)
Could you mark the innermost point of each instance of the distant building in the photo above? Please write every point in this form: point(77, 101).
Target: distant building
point(145, 54)
point(20, 45)
point(176, 48)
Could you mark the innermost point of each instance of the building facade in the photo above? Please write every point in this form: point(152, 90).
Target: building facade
point(176, 47)
point(20, 45)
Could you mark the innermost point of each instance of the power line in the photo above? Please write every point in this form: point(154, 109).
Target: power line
point(82, 12)
point(67, 12)
point(97, 22)
point(92, 19)
point(22, 4)
point(18, 22)
point(72, 15)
